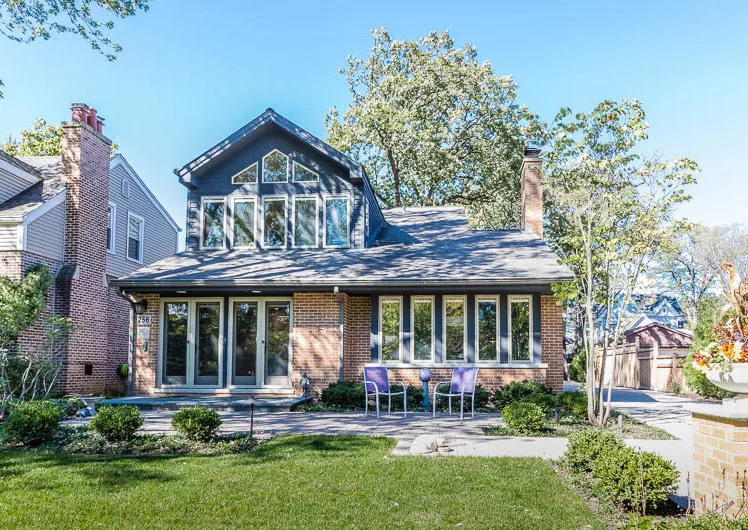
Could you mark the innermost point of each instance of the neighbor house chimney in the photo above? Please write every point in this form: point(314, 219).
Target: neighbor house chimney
point(531, 191)
point(85, 174)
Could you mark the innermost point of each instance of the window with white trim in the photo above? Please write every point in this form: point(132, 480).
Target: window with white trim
point(487, 328)
point(301, 173)
point(275, 167)
point(247, 175)
point(111, 227)
point(305, 222)
point(520, 328)
point(243, 223)
point(422, 320)
point(135, 228)
point(455, 328)
point(390, 328)
point(274, 222)
point(213, 218)
point(336, 222)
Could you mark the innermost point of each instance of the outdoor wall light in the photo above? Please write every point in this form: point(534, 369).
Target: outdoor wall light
point(141, 306)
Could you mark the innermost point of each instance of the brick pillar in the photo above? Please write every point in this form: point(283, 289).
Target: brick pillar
point(552, 341)
point(531, 192)
point(145, 359)
point(720, 453)
point(85, 173)
point(316, 339)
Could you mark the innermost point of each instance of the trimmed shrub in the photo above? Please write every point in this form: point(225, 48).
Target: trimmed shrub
point(578, 367)
point(572, 404)
point(117, 423)
point(585, 448)
point(635, 480)
point(524, 418)
point(345, 394)
point(33, 422)
point(525, 391)
point(196, 423)
point(69, 405)
point(698, 382)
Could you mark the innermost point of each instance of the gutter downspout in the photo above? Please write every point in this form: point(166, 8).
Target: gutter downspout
point(341, 332)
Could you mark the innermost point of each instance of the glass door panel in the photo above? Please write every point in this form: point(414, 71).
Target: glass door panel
point(207, 326)
point(245, 343)
point(175, 343)
point(277, 342)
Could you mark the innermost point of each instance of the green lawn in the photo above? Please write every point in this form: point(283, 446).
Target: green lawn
point(289, 482)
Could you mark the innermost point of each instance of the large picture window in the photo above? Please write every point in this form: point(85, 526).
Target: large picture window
point(336, 222)
point(305, 222)
point(244, 223)
point(275, 167)
point(274, 225)
point(487, 318)
point(135, 225)
point(520, 326)
point(390, 328)
point(454, 328)
point(213, 217)
point(422, 319)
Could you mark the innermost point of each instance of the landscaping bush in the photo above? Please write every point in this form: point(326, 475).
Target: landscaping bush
point(578, 367)
point(635, 480)
point(700, 384)
point(117, 423)
point(572, 404)
point(69, 405)
point(344, 394)
point(531, 391)
point(524, 418)
point(708, 521)
point(33, 422)
point(196, 423)
point(585, 448)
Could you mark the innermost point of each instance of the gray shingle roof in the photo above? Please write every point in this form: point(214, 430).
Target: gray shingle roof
point(419, 247)
point(14, 161)
point(48, 169)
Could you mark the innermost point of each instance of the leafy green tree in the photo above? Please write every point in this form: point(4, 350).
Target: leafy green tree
point(22, 301)
point(609, 215)
point(41, 140)
point(433, 125)
point(91, 20)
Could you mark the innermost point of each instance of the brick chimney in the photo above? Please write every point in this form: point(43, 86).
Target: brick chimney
point(532, 192)
point(85, 173)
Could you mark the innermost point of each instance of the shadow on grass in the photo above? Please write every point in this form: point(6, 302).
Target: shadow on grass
point(321, 446)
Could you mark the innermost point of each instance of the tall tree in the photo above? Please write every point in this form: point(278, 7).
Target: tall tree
point(91, 20)
point(433, 125)
point(609, 214)
point(688, 270)
point(728, 244)
point(41, 140)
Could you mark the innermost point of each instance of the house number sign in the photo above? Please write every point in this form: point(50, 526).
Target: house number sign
point(144, 320)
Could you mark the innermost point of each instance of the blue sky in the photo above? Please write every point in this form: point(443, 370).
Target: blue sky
point(191, 74)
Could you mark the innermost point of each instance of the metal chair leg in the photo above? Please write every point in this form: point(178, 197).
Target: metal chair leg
point(433, 402)
point(462, 405)
point(472, 415)
point(377, 398)
point(389, 405)
point(405, 402)
point(450, 404)
point(366, 405)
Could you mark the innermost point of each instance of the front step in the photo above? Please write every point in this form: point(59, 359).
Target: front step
point(228, 404)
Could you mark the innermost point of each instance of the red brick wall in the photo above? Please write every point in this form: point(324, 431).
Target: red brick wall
point(85, 172)
point(316, 338)
point(145, 362)
point(552, 341)
point(357, 336)
point(118, 337)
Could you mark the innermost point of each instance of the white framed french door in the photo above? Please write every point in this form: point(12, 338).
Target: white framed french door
point(191, 343)
point(260, 342)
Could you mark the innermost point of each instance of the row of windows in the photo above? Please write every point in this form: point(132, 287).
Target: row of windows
point(276, 167)
point(454, 332)
point(242, 221)
point(135, 231)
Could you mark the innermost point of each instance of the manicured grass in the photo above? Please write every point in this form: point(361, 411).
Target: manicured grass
point(289, 482)
point(632, 429)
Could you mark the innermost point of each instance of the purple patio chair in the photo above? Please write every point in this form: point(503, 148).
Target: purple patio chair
point(377, 383)
point(462, 384)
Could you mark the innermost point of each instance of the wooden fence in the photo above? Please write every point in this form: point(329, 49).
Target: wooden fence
point(650, 367)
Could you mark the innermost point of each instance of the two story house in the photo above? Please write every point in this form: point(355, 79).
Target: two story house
point(89, 218)
point(293, 268)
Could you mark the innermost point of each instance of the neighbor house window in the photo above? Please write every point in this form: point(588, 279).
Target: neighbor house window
point(422, 318)
point(246, 175)
point(487, 328)
point(336, 222)
point(213, 218)
point(275, 167)
point(390, 328)
point(135, 225)
point(520, 326)
point(111, 227)
point(455, 336)
point(301, 173)
point(305, 222)
point(243, 223)
point(274, 225)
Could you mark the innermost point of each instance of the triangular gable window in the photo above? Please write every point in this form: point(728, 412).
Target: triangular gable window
point(246, 175)
point(275, 167)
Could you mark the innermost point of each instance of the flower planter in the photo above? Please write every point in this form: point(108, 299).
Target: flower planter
point(735, 380)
